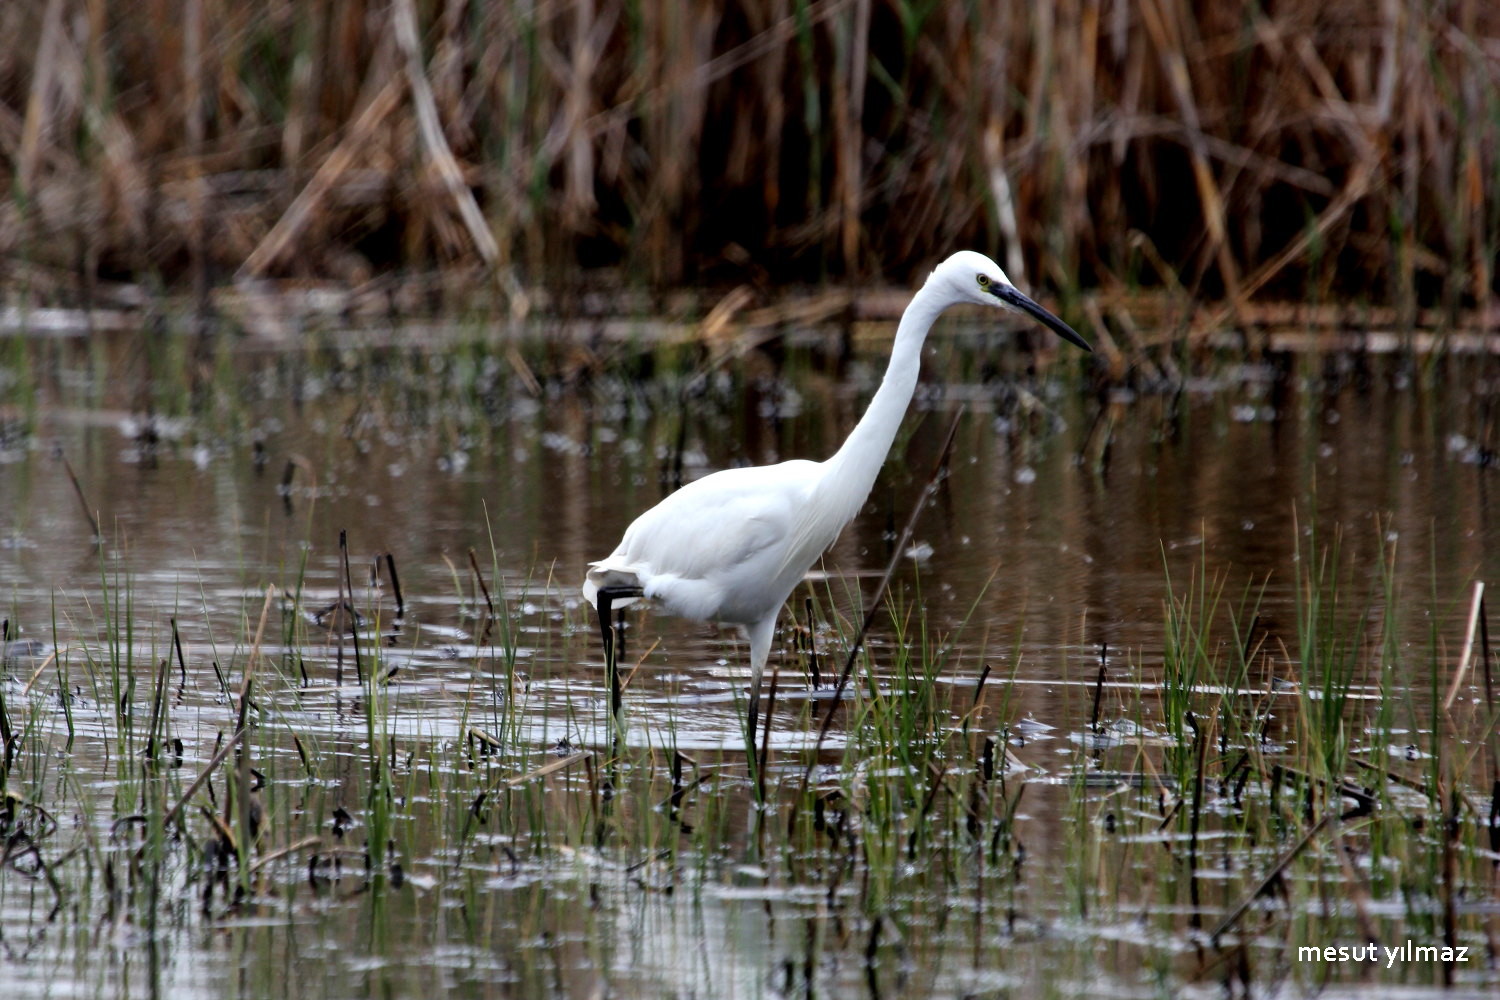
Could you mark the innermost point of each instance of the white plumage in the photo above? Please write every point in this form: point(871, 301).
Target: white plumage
point(732, 546)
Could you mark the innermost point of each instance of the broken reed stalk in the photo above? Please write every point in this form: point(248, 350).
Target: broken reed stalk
point(346, 605)
point(390, 566)
point(7, 736)
point(31, 681)
point(1476, 612)
point(237, 806)
point(541, 772)
point(154, 732)
point(282, 852)
point(1099, 688)
point(83, 501)
point(486, 740)
point(974, 703)
point(204, 775)
point(181, 660)
point(1272, 874)
point(489, 605)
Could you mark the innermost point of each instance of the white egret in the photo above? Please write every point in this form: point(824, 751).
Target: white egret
point(732, 546)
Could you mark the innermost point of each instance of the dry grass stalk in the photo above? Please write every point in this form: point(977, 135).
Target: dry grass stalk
point(1466, 661)
point(291, 225)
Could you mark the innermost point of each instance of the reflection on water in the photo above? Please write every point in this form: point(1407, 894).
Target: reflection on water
point(220, 485)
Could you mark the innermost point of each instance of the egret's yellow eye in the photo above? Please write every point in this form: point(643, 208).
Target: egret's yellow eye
point(984, 281)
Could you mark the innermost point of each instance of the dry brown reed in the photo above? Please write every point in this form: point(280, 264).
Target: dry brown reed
point(1235, 151)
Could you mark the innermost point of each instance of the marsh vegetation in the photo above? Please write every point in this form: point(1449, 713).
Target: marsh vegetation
point(318, 709)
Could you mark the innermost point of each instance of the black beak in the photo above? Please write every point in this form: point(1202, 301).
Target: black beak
point(1013, 297)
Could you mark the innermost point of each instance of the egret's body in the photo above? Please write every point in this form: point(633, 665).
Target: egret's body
point(732, 546)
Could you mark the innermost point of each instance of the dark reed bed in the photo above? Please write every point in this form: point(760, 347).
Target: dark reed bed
point(1239, 153)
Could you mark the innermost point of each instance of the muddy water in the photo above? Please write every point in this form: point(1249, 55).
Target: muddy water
point(1069, 514)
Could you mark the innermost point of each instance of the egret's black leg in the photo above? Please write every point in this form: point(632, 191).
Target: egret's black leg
point(754, 718)
point(604, 604)
point(620, 653)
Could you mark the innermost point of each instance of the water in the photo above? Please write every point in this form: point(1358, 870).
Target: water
point(221, 479)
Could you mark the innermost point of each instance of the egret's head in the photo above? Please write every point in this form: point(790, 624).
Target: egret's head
point(968, 276)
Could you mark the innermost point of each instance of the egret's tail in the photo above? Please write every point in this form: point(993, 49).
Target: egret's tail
point(606, 573)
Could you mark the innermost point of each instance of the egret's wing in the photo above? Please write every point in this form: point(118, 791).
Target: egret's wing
point(774, 520)
point(728, 519)
point(731, 545)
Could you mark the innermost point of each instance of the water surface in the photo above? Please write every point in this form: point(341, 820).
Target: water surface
point(221, 476)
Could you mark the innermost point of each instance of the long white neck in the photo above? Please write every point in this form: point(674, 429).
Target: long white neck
point(850, 473)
